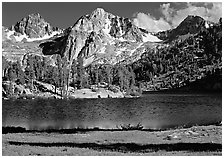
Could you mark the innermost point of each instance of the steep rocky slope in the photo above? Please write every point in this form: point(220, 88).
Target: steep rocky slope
point(102, 38)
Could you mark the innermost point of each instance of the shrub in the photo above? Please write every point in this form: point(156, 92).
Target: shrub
point(139, 126)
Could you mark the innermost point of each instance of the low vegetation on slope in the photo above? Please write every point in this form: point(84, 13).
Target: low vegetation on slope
point(183, 61)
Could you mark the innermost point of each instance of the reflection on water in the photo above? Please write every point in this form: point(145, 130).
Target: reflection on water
point(152, 111)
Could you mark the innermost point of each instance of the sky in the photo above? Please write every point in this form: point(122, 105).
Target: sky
point(152, 16)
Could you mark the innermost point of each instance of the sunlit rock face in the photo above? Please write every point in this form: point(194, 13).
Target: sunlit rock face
point(96, 38)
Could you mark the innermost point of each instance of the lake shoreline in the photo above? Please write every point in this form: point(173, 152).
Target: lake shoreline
point(138, 127)
point(83, 93)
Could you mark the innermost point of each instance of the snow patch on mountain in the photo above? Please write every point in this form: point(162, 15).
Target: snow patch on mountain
point(102, 50)
point(107, 27)
point(150, 38)
point(20, 38)
point(88, 61)
point(119, 26)
point(207, 24)
point(135, 49)
point(44, 37)
point(10, 34)
point(120, 51)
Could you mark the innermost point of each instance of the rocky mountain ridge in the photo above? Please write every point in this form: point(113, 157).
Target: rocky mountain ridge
point(31, 28)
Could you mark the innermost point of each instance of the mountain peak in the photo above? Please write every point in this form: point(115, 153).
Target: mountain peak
point(37, 15)
point(32, 17)
point(192, 20)
point(99, 13)
point(95, 21)
point(34, 26)
point(98, 10)
point(31, 28)
point(190, 25)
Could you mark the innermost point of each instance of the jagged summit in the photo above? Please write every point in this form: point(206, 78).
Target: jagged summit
point(98, 12)
point(97, 20)
point(110, 25)
point(33, 27)
point(35, 15)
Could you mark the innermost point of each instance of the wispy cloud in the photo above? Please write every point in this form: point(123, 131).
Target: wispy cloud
point(172, 17)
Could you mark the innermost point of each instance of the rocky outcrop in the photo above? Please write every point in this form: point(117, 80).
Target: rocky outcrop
point(123, 28)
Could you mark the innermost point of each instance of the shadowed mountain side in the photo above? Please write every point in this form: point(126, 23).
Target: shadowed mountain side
point(190, 25)
point(53, 47)
point(132, 147)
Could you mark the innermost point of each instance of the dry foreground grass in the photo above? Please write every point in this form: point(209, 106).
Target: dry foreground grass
point(194, 141)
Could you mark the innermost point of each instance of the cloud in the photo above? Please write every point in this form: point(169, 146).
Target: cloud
point(149, 22)
point(167, 11)
point(172, 17)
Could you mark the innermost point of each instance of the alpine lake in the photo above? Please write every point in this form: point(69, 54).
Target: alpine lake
point(152, 111)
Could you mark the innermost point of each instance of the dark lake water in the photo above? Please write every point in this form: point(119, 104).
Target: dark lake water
point(154, 111)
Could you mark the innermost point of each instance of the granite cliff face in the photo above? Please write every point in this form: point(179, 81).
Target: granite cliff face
point(100, 37)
